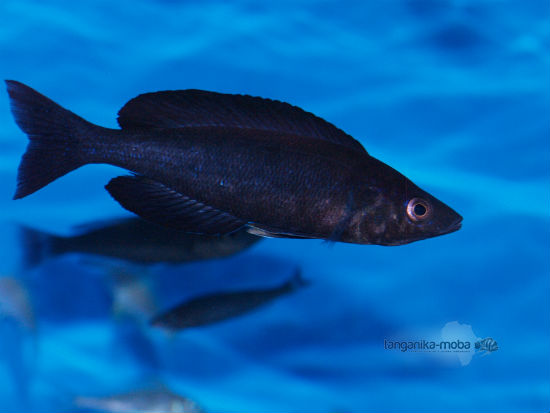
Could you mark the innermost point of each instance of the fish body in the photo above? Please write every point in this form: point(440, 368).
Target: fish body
point(213, 163)
point(136, 240)
point(214, 308)
point(274, 180)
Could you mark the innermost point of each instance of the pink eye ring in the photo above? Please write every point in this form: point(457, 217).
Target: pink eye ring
point(418, 209)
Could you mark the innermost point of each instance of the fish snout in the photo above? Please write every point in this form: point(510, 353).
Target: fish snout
point(456, 225)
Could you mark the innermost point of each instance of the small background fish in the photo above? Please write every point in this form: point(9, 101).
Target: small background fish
point(133, 240)
point(141, 401)
point(18, 338)
point(221, 306)
point(16, 303)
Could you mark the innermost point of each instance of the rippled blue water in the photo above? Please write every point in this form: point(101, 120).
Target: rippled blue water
point(454, 94)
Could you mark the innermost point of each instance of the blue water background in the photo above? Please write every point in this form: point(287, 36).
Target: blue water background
point(454, 94)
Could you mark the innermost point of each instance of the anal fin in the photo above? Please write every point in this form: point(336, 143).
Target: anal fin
point(160, 204)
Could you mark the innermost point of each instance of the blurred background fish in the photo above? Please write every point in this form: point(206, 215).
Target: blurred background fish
point(134, 240)
point(15, 302)
point(142, 401)
point(18, 339)
point(134, 302)
point(132, 289)
point(213, 308)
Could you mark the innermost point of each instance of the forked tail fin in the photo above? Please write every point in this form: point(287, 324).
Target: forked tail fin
point(53, 138)
point(38, 246)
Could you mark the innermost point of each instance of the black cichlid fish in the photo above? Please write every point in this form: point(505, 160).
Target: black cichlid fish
point(212, 163)
point(214, 308)
point(138, 241)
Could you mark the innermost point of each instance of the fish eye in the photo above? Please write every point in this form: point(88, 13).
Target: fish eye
point(418, 209)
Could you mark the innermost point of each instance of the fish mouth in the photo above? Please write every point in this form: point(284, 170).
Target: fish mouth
point(455, 226)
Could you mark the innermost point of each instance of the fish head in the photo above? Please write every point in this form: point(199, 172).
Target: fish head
point(398, 212)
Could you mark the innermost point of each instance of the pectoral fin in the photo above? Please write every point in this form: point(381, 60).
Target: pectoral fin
point(158, 203)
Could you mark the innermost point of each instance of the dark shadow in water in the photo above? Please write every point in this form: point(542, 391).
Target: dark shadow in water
point(428, 9)
point(457, 37)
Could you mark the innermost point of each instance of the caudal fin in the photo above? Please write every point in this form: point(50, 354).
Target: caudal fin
point(53, 138)
point(38, 246)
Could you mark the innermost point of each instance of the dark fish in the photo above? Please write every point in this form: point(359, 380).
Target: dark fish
point(138, 241)
point(212, 163)
point(144, 401)
point(214, 308)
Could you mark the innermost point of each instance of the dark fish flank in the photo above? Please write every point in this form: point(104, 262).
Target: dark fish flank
point(212, 163)
point(249, 175)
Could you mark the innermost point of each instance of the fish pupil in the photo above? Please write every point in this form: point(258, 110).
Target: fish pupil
point(420, 210)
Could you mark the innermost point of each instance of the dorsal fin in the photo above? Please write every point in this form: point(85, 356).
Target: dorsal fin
point(192, 108)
